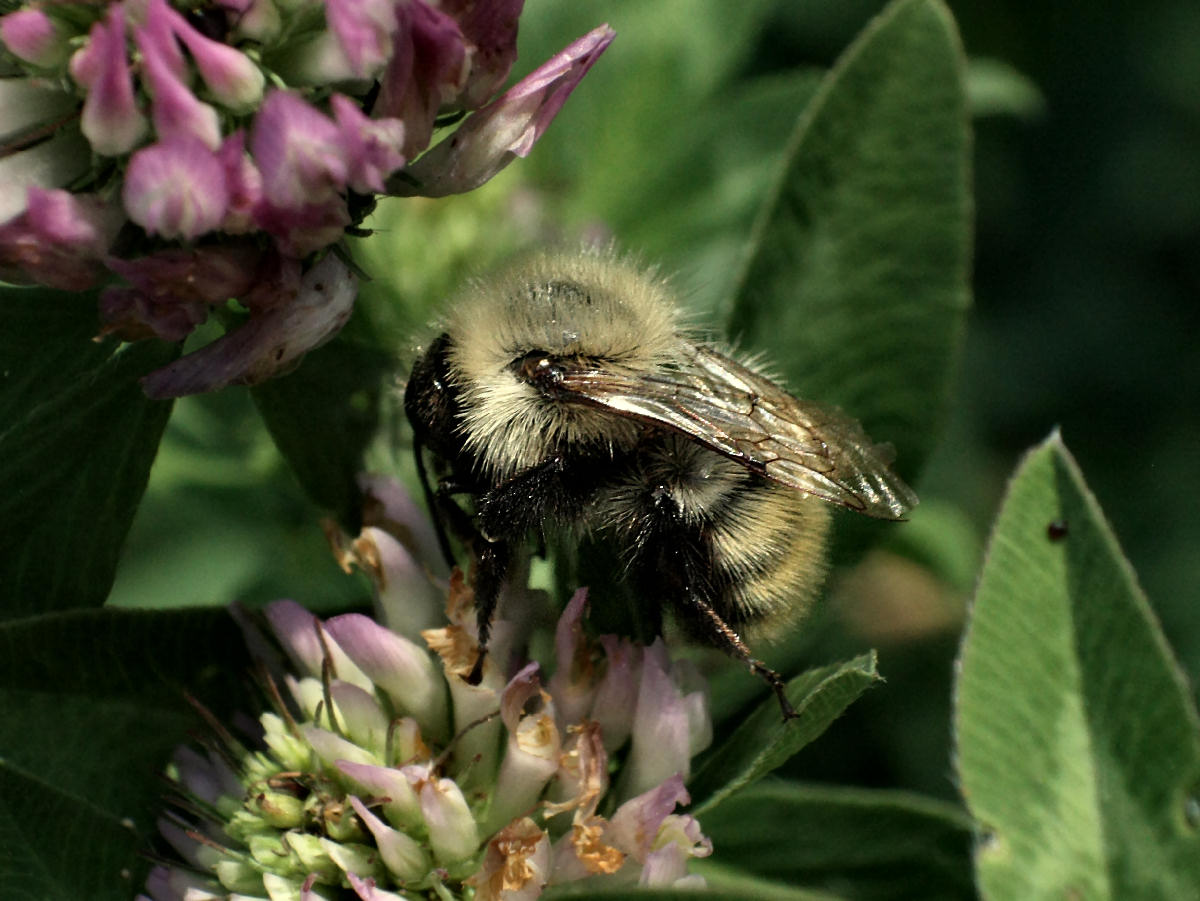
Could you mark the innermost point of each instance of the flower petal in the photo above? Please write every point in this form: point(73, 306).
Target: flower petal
point(400, 803)
point(403, 856)
point(668, 726)
point(231, 78)
point(428, 68)
point(453, 835)
point(59, 239)
point(176, 189)
point(516, 866)
point(110, 121)
point(573, 685)
point(403, 670)
point(32, 36)
point(491, 138)
point(636, 823)
point(267, 343)
point(531, 753)
point(300, 633)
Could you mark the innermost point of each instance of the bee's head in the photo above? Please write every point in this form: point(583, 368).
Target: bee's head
point(514, 335)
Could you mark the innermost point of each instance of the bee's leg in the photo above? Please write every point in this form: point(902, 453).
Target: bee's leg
point(557, 490)
point(436, 503)
point(724, 637)
point(672, 559)
point(493, 560)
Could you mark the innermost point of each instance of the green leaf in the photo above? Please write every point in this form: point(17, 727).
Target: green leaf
point(867, 845)
point(764, 741)
point(93, 703)
point(1078, 743)
point(856, 283)
point(323, 415)
point(77, 437)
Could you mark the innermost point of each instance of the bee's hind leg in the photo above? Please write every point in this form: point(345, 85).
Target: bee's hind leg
point(493, 561)
point(723, 636)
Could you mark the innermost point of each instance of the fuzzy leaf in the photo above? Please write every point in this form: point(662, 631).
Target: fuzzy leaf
point(765, 741)
point(93, 703)
point(856, 282)
point(1078, 743)
point(77, 437)
point(867, 845)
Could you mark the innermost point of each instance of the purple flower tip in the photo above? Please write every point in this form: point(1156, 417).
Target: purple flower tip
point(176, 188)
point(31, 35)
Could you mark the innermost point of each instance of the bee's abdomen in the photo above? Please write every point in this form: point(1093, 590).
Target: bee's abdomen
point(768, 542)
point(697, 524)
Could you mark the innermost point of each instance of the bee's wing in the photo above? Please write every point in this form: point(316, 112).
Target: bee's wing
point(733, 410)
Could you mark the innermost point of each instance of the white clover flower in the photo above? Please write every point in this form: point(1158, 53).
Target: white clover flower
point(382, 774)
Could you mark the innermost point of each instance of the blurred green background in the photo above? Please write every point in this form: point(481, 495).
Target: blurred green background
point(1087, 177)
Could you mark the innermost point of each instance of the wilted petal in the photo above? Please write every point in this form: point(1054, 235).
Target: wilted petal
point(491, 138)
point(110, 121)
point(428, 68)
point(531, 752)
point(403, 856)
point(210, 274)
point(586, 851)
point(268, 343)
point(175, 189)
point(174, 289)
point(582, 777)
point(516, 866)
point(398, 666)
point(32, 36)
point(372, 146)
point(59, 239)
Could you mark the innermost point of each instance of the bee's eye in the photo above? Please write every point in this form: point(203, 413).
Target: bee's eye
point(539, 368)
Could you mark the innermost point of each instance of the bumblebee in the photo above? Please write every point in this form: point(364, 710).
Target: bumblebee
point(565, 394)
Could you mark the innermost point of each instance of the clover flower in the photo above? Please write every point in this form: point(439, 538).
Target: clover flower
point(151, 140)
point(381, 773)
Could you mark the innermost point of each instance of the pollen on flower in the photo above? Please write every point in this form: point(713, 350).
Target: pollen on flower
point(511, 862)
point(455, 646)
point(595, 855)
point(381, 775)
